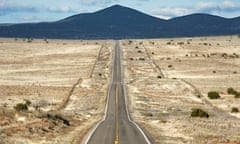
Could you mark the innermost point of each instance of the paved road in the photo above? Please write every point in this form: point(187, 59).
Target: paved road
point(117, 128)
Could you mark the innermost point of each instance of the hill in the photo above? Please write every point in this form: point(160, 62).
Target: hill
point(118, 22)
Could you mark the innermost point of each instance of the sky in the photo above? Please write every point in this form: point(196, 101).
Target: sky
point(22, 11)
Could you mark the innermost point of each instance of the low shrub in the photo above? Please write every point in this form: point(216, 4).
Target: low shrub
point(196, 112)
point(142, 59)
point(131, 59)
point(28, 102)
point(170, 66)
point(235, 110)
point(231, 91)
point(21, 107)
point(53, 116)
point(213, 95)
point(180, 43)
point(237, 95)
point(168, 43)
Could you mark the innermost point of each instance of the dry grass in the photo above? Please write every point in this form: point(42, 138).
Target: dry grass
point(189, 69)
point(63, 75)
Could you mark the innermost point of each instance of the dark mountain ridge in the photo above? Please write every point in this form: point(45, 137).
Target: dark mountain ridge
point(118, 22)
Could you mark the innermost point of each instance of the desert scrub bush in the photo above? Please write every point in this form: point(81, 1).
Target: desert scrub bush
point(151, 42)
point(159, 77)
point(168, 43)
point(196, 112)
point(142, 59)
point(235, 110)
point(237, 95)
point(170, 66)
point(130, 42)
point(213, 95)
point(28, 102)
point(231, 91)
point(59, 117)
point(148, 114)
point(180, 43)
point(21, 107)
point(54, 116)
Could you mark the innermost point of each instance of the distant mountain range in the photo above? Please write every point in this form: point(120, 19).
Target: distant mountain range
point(118, 22)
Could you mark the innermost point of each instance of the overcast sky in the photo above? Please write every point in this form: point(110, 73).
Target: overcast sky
point(19, 11)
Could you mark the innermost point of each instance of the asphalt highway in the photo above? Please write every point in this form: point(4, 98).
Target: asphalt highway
point(117, 126)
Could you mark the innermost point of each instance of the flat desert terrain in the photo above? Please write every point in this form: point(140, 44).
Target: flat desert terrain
point(64, 85)
point(63, 82)
point(167, 78)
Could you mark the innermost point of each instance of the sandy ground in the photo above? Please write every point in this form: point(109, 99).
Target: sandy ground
point(167, 78)
point(68, 79)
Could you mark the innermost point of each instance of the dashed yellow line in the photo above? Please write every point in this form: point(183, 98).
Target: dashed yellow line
point(116, 136)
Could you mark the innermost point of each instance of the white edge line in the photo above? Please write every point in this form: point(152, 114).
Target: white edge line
point(129, 118)
point(90, 133)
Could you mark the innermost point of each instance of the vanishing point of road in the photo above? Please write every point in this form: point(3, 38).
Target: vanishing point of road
point(117, 126)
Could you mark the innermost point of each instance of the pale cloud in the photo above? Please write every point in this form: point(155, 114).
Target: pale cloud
point(174, 11)
point(224, 6)
point(61, 9)
point(7, 8)
point(206, 6)
point(97, 2)
point(169, 12)
point(202, 7)
point(228, 4)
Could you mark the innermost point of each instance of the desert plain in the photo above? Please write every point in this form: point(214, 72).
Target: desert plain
point(65, 85)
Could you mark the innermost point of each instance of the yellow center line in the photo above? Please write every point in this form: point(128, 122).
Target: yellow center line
point(116, 137)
